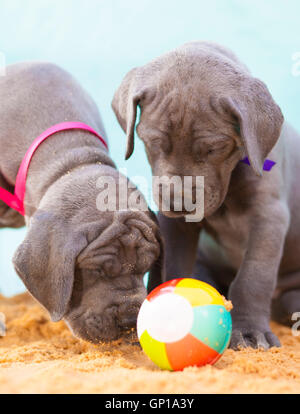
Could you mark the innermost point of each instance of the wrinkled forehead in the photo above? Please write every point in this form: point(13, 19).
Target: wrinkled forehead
point(183, 111)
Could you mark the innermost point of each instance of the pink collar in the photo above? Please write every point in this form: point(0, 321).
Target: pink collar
point(16, 200)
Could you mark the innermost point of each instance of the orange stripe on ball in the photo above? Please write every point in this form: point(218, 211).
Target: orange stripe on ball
point(190, 351)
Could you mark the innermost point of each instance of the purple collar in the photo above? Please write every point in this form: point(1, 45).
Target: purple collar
point(268, 164)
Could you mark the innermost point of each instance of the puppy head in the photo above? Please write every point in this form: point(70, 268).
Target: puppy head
point(86, 266)
point(201, 113)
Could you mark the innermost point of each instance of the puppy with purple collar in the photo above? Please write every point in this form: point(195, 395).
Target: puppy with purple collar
point(202, 113)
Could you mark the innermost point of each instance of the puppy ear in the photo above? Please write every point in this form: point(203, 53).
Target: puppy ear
point(157, 271)
point(124, 105)
point(259, 118)
point(45, 262)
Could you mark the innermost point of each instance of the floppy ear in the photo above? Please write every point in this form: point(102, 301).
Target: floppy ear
point(124, 104)
point(45, 262)
point(259, 118)
point(157, 271)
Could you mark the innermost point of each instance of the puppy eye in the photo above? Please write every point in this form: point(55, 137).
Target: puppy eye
point(201, 156)
point(107, 266)
point(110, 268)
point(217, 149)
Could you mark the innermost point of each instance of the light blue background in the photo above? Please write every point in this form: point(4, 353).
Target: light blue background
point(100, 40)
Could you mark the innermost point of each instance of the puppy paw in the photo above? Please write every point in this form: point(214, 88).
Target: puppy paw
point(243, 338)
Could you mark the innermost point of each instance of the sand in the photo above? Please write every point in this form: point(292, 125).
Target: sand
point(38, 356)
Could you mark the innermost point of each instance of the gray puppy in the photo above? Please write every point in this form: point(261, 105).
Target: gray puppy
point(81, 264)
point(202, 112)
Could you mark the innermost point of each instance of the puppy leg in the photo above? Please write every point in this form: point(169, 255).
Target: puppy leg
point(212, 265)
point(285, 305)
point(252, 290)
point(207, 271)
point(181, 241)
point(204, 271)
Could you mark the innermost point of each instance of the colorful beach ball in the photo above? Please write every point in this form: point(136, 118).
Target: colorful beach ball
point(184, 323)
